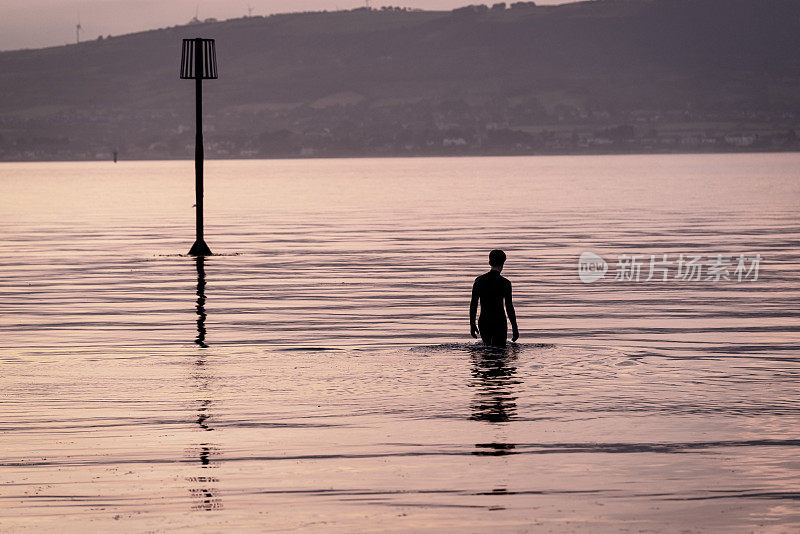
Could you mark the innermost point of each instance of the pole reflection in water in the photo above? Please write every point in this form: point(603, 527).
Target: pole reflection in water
point(203, 493)
point(495, 375)
point(201, 302)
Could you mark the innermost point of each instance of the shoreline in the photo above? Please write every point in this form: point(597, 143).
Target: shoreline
point(217, 157)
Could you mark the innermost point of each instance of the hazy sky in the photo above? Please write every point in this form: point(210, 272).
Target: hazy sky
point(39, 23)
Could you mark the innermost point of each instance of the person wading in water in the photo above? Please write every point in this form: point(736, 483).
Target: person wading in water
point(491, 290)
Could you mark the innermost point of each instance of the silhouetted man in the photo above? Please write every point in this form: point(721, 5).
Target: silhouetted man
point(492, 289)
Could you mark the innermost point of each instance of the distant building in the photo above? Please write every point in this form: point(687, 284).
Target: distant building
point(740, 140)
point(454, 141)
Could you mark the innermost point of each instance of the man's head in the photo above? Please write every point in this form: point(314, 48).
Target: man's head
point(497, 258)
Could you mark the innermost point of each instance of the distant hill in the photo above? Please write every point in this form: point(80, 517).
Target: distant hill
point(607, 76)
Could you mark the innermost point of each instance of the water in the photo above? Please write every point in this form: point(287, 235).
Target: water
point(317, 374)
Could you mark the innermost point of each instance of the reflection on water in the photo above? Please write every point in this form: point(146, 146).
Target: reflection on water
point(494, 376)
point(203, 415)
point(494, 449)
point(203, 491)
point(205, 495)
point(201, 301)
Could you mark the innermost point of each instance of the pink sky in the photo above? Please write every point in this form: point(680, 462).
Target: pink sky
point(40, 23)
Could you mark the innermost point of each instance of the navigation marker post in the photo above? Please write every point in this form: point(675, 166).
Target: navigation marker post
point(199, 62)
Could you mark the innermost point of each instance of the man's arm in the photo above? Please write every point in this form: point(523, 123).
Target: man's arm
point(512, 315)
point(473, 311)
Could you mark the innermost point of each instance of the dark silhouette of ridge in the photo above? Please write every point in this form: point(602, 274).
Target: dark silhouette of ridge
point(389, 82)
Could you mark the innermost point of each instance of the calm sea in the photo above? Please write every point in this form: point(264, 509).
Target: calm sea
point(317, 374)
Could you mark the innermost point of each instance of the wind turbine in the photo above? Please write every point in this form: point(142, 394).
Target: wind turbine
point(78, 30)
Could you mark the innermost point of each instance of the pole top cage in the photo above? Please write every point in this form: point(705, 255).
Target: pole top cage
point(199, 59)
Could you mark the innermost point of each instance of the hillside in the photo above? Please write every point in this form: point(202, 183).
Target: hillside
point(607, 76)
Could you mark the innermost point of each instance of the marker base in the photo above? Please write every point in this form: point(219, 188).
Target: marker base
point(200, 249)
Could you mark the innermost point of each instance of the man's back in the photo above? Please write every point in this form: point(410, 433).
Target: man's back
point(493, 292)
point(492, 288)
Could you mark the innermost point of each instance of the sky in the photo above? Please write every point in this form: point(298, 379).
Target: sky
point(40, 23)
